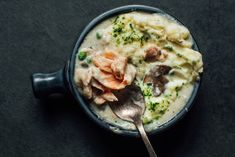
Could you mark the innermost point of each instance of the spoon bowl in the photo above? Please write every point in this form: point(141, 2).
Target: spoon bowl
point(131, 109)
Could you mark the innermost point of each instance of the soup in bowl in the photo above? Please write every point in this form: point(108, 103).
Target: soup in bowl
point(151, 51)
point(135, 48)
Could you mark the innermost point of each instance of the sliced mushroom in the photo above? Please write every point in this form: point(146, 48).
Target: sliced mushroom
point(157, 79)
point(148, 79)
point(154, 53)
point(159, 85)
point(160, 70)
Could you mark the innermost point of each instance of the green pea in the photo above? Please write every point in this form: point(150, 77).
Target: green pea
point(82, 55)
point(98, 36)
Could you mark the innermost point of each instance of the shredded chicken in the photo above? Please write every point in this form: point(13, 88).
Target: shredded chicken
point(87, 91)
point(119, 67)
point(103, 63)
point(97, 85)
point(109, 96)
point(84, 76)
point(99, 100)
point(107, 79)
point(111, 72)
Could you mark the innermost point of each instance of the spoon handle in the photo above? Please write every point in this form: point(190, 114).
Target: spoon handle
point(144, 136)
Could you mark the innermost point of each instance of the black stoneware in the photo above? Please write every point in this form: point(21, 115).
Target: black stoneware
point(62, 81)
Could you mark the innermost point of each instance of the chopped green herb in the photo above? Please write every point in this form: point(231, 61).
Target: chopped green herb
point(172, 73)
point(98, 36)
point(88, 60)
point(118, 29)
point(178, 67)
point(168, 47)
point(152, 105)
point(146, 120)
point(148, 91)
point(141, 61)
point(125, 33)
point(177, 89)
point(131, 26)
point(115, 20)
point(149, 84)
point(144, 38)
point(82, 55)
point(179, 55)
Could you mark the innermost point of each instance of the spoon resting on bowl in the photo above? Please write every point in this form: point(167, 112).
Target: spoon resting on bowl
point(131, 107)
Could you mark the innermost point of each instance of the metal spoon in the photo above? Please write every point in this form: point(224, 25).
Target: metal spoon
point(130, 107)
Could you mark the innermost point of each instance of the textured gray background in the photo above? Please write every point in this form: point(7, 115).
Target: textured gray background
point(38, 36)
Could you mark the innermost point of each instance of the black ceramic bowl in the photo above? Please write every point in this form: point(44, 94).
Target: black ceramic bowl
point(62, 81)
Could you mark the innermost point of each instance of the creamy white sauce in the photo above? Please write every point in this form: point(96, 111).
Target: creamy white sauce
point(104, 112)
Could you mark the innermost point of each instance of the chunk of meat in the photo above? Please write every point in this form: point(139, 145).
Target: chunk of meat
point(111, 72)
point(109, 55)
point(154, 53)
point(111, 63)
point(103, 63)
point(107, 79)
point(119, 67)
point(99, 100)
point(87, 91)
point(83, 76)
point(121, 74)
point(129, 75)
point(109, 96)
point(97, 85)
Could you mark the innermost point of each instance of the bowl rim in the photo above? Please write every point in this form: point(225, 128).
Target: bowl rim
point(82, 101)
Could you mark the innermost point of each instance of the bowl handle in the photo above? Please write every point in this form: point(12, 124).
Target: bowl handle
point(45, 85)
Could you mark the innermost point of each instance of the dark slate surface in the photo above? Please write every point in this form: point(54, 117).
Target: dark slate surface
point(38, 36)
